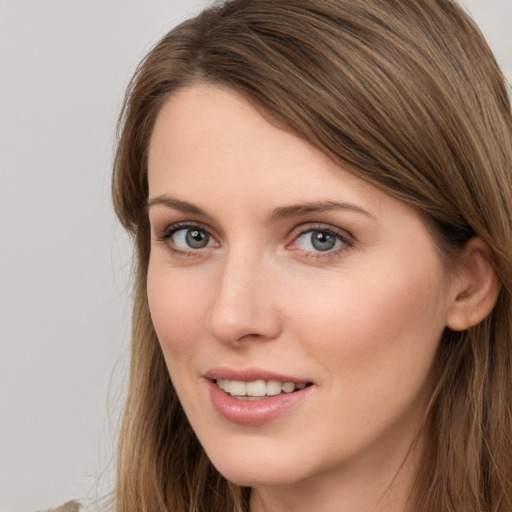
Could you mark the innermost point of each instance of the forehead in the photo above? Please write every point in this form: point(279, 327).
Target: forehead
point(210, 146)
point(212, 134)
point(199, 121)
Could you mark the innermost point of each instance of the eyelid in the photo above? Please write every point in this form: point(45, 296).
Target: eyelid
point(170, 229)
point(342, 234)
point(321, 226)
point(165, 236)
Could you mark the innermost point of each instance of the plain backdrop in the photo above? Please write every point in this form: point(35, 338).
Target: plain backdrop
point(64, 262)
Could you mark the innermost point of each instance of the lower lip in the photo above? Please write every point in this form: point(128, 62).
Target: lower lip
point(254, 412)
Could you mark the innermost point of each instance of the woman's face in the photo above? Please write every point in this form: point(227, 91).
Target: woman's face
point(275, 272)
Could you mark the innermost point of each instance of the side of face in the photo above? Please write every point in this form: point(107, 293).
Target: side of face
point(268, 259)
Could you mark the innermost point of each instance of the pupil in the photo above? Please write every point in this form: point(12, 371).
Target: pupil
point(197, 239)
point(322, 241)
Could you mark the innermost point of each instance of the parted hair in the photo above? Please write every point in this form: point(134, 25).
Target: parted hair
point(406, 95)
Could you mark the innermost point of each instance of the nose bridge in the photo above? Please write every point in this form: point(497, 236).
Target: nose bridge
point(243, 307)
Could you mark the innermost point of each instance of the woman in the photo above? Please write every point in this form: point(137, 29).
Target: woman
point(320, 196)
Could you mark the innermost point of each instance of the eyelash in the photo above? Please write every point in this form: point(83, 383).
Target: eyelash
point(340, 235)
point(170, 231)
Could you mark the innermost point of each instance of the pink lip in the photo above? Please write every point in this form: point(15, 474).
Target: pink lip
point(252, 412)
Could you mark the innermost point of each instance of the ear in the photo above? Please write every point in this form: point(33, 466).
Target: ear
point(477, 287)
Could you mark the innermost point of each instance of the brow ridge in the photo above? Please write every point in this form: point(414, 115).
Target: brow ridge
point(284, 212)
point(279, 213)
point(176, 204)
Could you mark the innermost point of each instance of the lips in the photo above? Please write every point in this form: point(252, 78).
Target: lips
point(254, 397)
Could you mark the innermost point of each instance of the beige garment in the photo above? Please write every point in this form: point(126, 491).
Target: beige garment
point(70, 506)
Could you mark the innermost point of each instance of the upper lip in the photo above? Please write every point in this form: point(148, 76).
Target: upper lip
point(250, 375)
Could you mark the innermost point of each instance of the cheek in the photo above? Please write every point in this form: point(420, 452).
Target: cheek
point(375, 343)
point(374, 331)
point(177, 307)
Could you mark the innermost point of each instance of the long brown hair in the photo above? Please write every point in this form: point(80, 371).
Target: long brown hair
point(408, 96)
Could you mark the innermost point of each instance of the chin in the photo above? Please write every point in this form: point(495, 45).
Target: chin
point(253, 468)
point(257, 476)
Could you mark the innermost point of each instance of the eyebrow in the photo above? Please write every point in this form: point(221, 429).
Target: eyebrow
point(176, 204)
point(280, 213)
point(285, 212)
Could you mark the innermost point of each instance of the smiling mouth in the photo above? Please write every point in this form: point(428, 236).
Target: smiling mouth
point(258, 389)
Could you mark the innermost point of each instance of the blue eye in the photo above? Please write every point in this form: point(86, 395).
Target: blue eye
point(191, 238)
point(319, 240)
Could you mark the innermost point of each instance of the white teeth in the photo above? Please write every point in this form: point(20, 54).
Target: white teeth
point(273, 387)
point(238, 388)
point(258, 388)
point(224, 385)
point(288, 387)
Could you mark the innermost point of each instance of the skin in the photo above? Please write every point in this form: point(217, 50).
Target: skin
point(362, 321)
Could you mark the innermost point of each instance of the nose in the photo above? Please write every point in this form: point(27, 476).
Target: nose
point(244, 304)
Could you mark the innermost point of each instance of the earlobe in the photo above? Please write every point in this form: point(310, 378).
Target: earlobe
point(478, 287)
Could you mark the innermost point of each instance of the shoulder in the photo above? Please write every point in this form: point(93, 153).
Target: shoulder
point(70, 506)
point(103, 505)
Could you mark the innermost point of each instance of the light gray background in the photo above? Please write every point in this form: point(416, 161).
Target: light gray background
point(64, 262)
